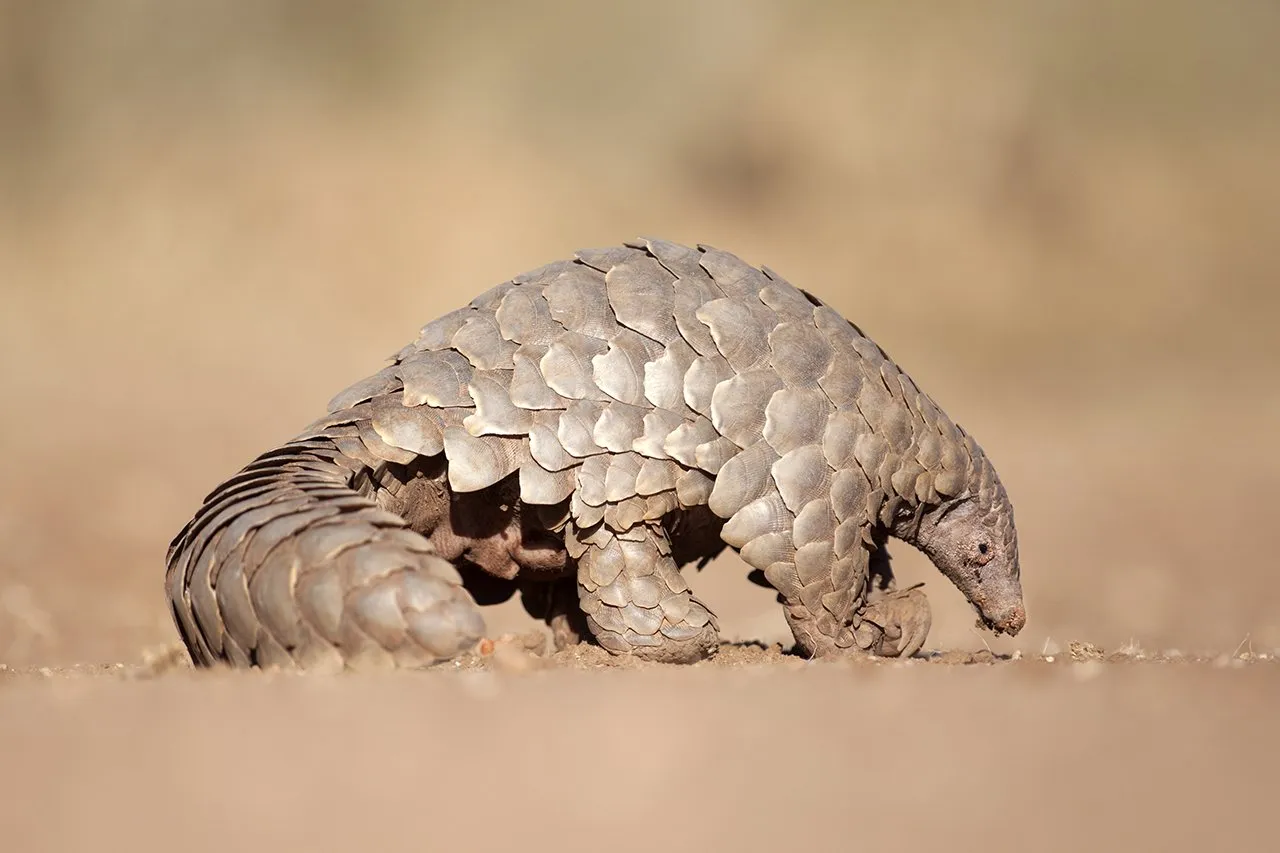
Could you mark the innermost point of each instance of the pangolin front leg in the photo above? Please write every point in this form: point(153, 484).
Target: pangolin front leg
point(893, 622)
point(853, 608)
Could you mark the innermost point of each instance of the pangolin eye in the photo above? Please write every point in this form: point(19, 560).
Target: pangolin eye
point(982, 547)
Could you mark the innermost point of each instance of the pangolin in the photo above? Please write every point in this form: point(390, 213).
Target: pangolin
point(580, 433)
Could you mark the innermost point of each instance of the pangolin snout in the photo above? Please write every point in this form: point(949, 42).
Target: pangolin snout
point(1011, 621)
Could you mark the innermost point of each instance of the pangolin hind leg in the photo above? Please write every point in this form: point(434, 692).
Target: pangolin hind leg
point(636, 600)
point(556, 604)
point(498, 544)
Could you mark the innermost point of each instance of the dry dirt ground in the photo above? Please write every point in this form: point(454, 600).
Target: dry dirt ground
point(1059, 217)
point(758, 751)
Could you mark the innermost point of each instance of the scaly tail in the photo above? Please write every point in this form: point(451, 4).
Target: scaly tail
point(291, 563)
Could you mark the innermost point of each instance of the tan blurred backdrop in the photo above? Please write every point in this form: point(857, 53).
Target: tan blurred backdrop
point(1062, 218)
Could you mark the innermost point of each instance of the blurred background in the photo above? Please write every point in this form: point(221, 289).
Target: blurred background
point(1062, 218)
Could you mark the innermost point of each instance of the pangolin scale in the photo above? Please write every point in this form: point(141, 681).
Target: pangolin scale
point(580, 433)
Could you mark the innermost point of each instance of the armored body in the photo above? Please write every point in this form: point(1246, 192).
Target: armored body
point(580, 433)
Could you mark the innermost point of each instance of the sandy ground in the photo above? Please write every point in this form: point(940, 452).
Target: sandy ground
point(760, 754)
point(1058, 217)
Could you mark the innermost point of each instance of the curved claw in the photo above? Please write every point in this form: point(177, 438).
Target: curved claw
point(901, 621)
